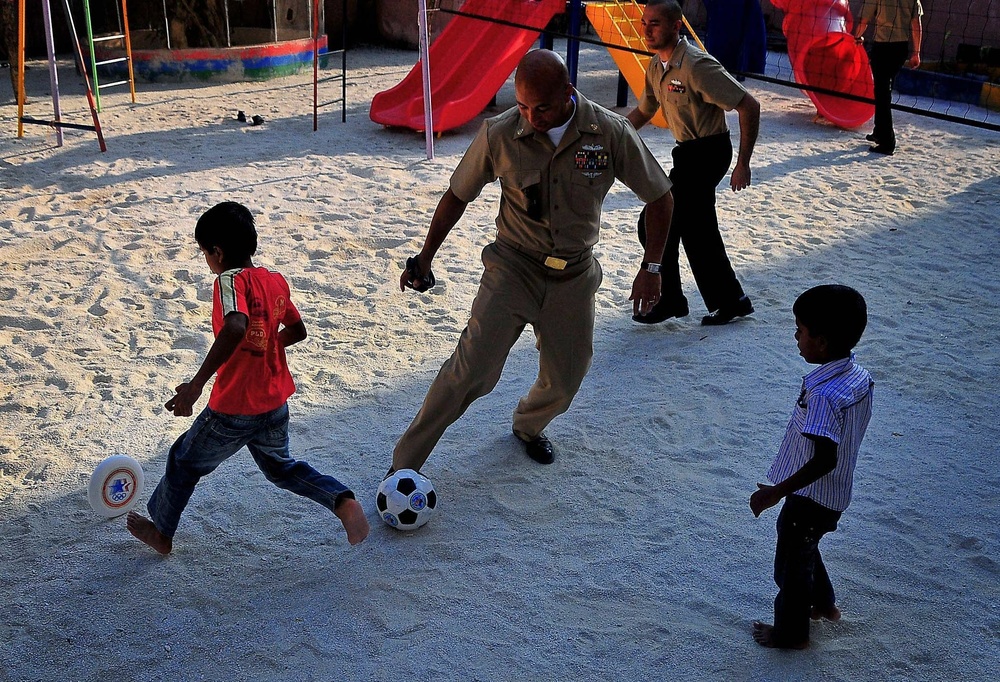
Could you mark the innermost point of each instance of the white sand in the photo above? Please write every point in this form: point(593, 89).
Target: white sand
point(633, 557)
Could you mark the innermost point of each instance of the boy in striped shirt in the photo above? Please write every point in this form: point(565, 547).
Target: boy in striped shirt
point(254, 320)
point(814, 468)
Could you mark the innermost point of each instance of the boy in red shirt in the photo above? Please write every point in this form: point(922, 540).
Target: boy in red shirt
point(248, 404)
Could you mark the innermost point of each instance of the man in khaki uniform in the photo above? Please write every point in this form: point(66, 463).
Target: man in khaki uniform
point(895, 22)
point(694, 92)
point(556, 155)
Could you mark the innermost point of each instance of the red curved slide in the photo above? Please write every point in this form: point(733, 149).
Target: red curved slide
point(824, 54)
point(470, 61)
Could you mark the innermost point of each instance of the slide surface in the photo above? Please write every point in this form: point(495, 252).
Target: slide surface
point(469, 61)
point(824, 54)
point(618, 24)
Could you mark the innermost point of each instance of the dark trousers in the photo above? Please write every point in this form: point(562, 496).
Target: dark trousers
point(887, 59)
point(799, 573)
point(699, 166)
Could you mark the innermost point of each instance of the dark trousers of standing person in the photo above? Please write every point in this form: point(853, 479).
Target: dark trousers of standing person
point(699, 166)
point(887, 59)
point(799, 573)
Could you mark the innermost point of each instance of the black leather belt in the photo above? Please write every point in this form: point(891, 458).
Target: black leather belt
point(549, 261)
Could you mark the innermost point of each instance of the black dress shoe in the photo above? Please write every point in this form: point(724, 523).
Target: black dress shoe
point(539, 449)
point(871, 138)
point(882, 149)
point(728, 313)
point(663, 311)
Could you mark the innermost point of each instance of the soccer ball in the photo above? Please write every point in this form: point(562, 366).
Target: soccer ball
point(406, 500)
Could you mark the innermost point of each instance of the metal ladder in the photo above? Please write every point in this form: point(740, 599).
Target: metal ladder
point(123, 36)
point(317, 21)
point(56, 122)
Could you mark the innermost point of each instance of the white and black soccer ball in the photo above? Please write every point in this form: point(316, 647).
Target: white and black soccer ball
point(406, 499)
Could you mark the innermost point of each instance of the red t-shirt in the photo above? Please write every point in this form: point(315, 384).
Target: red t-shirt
point(255, 380)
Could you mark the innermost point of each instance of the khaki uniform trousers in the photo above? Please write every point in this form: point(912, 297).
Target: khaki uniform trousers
point(516, 290)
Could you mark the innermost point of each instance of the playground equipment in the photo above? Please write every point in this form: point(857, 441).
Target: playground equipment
point(473, 57)
point(122, 45)
point(318, 50)
point(468, 63)
point(825, 55)
point(57, 121)
point(235, 40)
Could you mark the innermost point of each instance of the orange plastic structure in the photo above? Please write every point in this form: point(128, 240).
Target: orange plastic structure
point(469, 61)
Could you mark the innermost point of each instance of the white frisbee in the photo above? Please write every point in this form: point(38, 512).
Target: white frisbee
point(115, 485)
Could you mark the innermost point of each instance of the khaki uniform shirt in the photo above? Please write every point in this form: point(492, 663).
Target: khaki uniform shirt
point(694, 91)
point(891, 18)
point(551, 197)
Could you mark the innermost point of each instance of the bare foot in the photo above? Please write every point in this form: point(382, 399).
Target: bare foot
point(141, 527)
point(833, 614)
point(763, 634)
point(352, 516)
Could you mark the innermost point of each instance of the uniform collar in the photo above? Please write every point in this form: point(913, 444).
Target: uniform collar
point(676, 57)
point(584, 122)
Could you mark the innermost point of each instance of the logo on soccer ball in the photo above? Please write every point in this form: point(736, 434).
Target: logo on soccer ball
point(405, 499)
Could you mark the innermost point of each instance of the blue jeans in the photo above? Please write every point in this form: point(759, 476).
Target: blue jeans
point(215, 437)
point(799, 573)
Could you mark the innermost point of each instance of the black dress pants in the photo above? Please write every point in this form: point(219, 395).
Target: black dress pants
point(887, 60)
point(699, 166)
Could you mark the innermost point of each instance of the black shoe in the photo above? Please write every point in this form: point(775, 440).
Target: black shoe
point(871, 137)
point(882, 149)
point(663, 311)
point(257, 120)
point(728, 313)
point(241, 116)
point(540, 449)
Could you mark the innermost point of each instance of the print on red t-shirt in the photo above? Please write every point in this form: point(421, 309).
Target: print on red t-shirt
point(255, 379)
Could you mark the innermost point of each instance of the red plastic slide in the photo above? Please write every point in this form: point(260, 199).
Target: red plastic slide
point(470, 61)
point(824, 54)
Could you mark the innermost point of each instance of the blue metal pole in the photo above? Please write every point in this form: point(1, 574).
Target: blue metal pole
point(572, 44)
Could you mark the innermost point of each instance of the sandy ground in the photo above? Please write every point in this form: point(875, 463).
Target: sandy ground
point(633, 557)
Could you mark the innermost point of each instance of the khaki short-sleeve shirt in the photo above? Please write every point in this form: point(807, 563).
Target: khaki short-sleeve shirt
point(694, 92)
point(892, 18)
point(551, 197)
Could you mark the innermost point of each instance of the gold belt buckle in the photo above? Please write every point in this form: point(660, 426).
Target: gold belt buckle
point(555, 263)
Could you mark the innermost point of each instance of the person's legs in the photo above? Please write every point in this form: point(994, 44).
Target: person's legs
point(196, 453)
point(824, 599)
point(506, 300)
point(886, 59)
point(801, 524)
point(269, 449)
point(699, 166)
point(564, 328)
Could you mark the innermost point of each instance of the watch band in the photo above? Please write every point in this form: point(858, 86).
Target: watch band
point(651, 267)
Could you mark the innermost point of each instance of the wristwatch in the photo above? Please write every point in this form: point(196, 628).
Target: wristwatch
point(651, 267)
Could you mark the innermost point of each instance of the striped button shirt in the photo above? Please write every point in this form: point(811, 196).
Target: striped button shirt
point(835, 403)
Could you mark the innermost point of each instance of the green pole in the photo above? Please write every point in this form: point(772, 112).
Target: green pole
point(93, 58)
